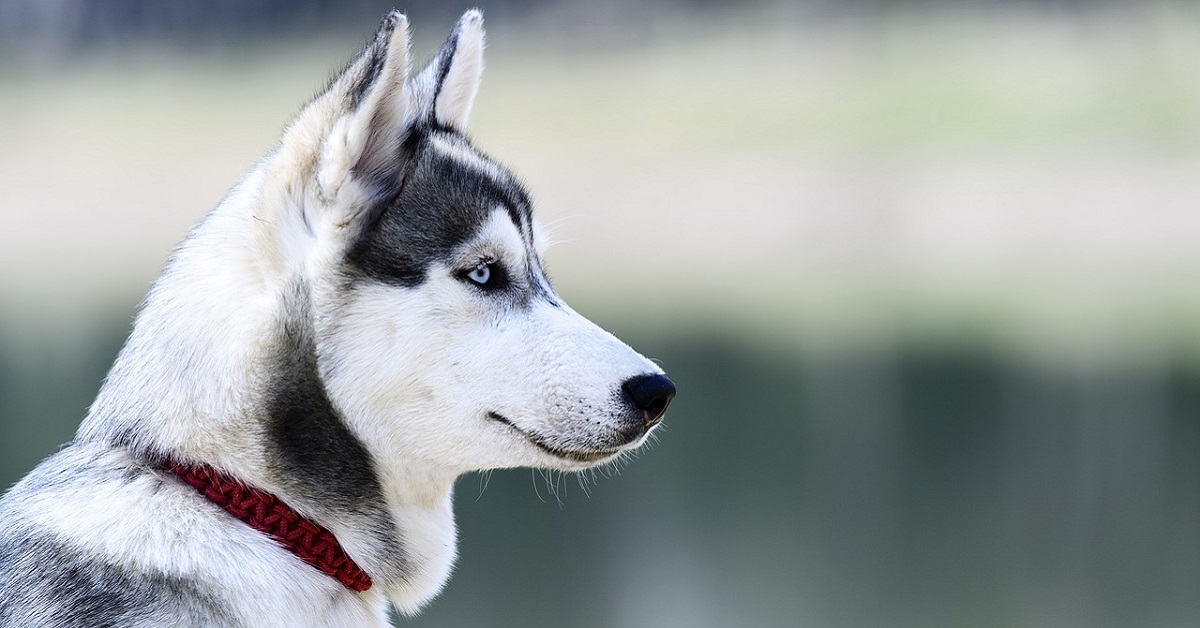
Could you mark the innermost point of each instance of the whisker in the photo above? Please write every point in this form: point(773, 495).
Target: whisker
point(485, 478)
point(533, 476)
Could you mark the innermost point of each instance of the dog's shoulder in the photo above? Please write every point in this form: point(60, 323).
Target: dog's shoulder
point(53, 572)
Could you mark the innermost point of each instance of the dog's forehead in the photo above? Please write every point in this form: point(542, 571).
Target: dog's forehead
point(448, 196)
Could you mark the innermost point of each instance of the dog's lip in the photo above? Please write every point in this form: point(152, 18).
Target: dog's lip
point(577, 455)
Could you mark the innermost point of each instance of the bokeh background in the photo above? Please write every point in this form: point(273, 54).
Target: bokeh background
point(925, 274)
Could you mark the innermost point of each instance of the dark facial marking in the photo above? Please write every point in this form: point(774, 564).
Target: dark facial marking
point(442, 203)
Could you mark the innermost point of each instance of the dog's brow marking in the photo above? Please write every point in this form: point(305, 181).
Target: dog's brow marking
point(499, 228)
point(463, 154)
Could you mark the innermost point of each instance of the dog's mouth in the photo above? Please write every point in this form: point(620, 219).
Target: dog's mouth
point(577, 455)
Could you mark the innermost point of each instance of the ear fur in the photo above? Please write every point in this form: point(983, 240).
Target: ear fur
point(444, 92)
point(365, 138)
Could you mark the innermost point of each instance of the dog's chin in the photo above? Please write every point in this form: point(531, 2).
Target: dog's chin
point(569, 458)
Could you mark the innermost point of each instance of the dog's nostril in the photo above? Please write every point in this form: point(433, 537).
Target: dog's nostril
point(651, 394)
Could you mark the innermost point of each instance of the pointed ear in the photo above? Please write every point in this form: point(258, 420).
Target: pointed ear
point(443, 93)
point(368, 102)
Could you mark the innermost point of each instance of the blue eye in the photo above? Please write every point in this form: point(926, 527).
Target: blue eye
point(486, 275)
point(481, 274)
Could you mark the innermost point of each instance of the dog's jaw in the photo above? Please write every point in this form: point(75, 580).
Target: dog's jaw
point(576, 458)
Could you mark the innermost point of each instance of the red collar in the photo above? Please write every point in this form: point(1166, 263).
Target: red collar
point(268, 514)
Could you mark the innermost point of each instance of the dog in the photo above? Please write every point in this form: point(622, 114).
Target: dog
point(361, 320)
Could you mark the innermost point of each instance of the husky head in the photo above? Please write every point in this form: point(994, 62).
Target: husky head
point(437, 333)
point(366, 316)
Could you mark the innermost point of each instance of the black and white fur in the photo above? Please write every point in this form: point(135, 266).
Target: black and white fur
point(364, 318)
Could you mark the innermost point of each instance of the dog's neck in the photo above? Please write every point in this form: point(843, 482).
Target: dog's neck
point(207, 375)
point(308, 540)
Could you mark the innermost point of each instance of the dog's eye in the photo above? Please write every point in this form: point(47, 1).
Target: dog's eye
point(486, 275)
point(481, 274)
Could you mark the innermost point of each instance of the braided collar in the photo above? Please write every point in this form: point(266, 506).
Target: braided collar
point(268, 514)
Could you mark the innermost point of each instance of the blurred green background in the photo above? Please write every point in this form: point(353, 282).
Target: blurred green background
point(925, 274)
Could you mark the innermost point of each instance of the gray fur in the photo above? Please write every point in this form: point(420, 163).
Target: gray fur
point(309, 449)
point(47, 581)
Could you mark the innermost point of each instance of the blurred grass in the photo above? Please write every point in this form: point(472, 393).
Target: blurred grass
point(1014, 176)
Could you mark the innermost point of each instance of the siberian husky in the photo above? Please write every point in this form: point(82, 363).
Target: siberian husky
point(364, 318)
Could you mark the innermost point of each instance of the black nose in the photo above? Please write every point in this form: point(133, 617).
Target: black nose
point(651, 394)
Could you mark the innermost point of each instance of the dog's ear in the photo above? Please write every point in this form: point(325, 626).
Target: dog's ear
point(443, 93)
point(368, 106)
